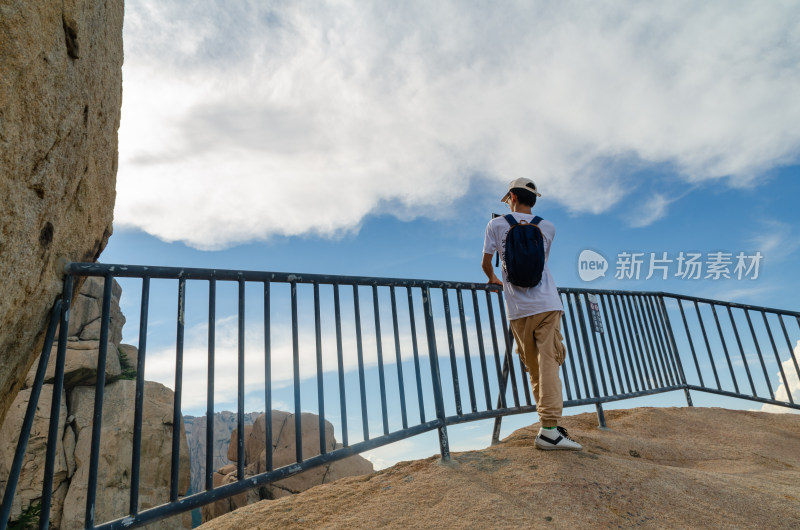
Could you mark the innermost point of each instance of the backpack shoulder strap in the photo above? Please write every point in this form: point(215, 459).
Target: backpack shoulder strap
point(510, 219)
point(536, 220)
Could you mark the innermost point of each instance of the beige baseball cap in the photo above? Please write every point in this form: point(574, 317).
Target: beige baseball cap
point(523, 183)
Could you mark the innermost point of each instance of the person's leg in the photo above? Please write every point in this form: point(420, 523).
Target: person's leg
point(523, 330)
point(542, 350)
point(550, 356)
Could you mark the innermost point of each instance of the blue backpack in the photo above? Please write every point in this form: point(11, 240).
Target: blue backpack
point(524, 252)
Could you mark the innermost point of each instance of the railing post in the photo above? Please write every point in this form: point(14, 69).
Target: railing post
point(444, 445)
point(30, 413)
point(675, 353)
point(601, 417)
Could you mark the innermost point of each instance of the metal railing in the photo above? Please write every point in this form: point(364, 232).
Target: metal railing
point(619, 344)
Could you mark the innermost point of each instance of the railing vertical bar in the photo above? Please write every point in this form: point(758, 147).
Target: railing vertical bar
point(760, 355)
point(570, 358)
point(268, 374)
point(136, 453)
point(436, 380)
point(741, 351)
point(629, 347)
point(30, 414)
point(510, 349)
point(578, 353)
point(97, 418)
point(669, 339)
point(415, 349)
point(481, 350)
point(399, 358)
point(564, 370)
point(320, 384)
point(379, 346)
point(636, 344)
point(675, 353)
point(605, 336)
point(467, 359)
point(592, 370)
point(596, 352)
point(657, 324)
point(55, 403)
point(646, 342)
point(777, 357)
point(658, 350)
point(691, 342)
point(724, 347)
point(240, 454)
point(340, 361)
point(789, 345)
point(708, 346)
point(508, 361)
point(212, 317)
point(501, 384)
point(452, 349)
point(661, 330)
point(298, 411)
point(360, 351)
point(617, 356)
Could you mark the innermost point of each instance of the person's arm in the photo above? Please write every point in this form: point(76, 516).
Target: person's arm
point(486, 265)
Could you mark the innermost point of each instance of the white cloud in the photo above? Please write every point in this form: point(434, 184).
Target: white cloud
point(650, 211)
point(248, 120)
point(793, 382)
point(160, 359)
point(775, 240)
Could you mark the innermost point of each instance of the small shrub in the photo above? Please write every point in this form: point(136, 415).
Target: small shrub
point(28, 519)
point(128, 370)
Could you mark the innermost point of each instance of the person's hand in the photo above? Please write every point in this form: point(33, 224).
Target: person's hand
point(495, 280)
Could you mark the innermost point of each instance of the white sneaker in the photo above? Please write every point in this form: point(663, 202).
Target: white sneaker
point(556, 439)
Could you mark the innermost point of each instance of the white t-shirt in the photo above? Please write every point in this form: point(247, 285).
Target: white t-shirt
point(524, 301)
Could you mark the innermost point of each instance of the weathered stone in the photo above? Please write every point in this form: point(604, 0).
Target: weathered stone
point(29, 487)
point(87, 309)
point(80, 366)
point(84, 309)
point(283, 444)
point(224, 424)
point(131, 354)
point(727, 477)
point(285, 453)
point(215, 509)
point(233, 447)
point(117, 443)
point(60, 96)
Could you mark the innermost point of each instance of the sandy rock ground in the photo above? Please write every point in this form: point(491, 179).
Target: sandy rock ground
point(655, 468)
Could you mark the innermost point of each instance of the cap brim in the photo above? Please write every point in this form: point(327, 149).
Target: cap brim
point(505, 197)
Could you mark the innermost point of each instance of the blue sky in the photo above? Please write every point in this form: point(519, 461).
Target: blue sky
point(377, 139)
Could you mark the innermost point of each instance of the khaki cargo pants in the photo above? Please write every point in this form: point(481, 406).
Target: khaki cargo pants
point(540, 346)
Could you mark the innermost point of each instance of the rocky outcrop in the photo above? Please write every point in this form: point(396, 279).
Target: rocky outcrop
point(75, 427)
point(60, 96)
point(224, 424)
point(283, 446)
point(114, 472)
point(686, 467)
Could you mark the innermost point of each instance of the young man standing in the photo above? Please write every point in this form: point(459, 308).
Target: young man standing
point(535, 315)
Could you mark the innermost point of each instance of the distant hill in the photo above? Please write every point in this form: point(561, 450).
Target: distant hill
point(656, 467)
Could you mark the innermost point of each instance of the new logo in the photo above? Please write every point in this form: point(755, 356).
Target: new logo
point(591, 265)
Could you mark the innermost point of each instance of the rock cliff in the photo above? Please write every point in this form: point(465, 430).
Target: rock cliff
point(77, 408)
point(655, 468)
point(60, 97)
point(283, 445)
point(224, 425)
